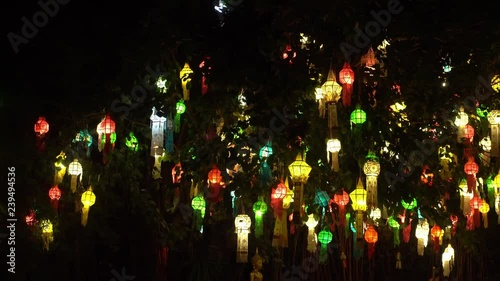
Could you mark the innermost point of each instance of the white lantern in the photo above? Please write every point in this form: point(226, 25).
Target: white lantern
point(461, 120)
point(494, 119)
point(158, 126)
point(312, 239)
point(448, 260)
point(422, 235)
point(242, 225)
point(75, 170)
point(371, 170)
point(333, 147)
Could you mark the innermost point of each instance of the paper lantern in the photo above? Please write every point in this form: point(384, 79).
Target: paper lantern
point(358, 199)
point(324, 238)
point(446, 157)
point(346, 78)
point(437, 236)
point(266, 151)
point(484, 209)
point(448, 260)
point(394, 224)
point(471, 169)
point(461, 120)
point(47, 233)
point(131, 142)
point(279, 192)
point(371, 168)
point(495, 83)
point(320, 98)
point(185, 77)
point(41, 127)
point(333, 147)
point(465, 197)
point(198, 204)
point(299, 172)
point(312, 239)
point(75, 170)
point(497, 206)
point(55, 195)
point(469, 132)
point(485, 156)
point(180, 108)
point(358, 116)
point(106, 128)
point(341, 200)
point(368, 59)
point(242, 225)
point(158, 126)
point(88, 200)
point(30, 219)
point(474, 219)
point(494, 120)
point(331, 93)
point(279, 204)
point(214, 176)
point(371, 237)
point(422, 235)
point(259, 208)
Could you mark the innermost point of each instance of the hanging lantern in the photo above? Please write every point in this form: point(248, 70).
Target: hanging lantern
point(312, 239)
point(368, 59)
point(371, 170)
point(162, 85)
point(341, 200)
point(242, 225)
point(474, 220)
point(324, 238)
point(55, 195)
point(279, 192)
point(484, 209)
point(280, 233)
point(131, 142)
point(30, 219)
point(331, 93)
point(320, 98)
point(75, 170)
point(199, 206)
point(106, 128)
point(394, 224)
point(497, 206)
point(60, 168)
point(333, 147)
point(437, 237)
point(346, 78)
point(185, 77)
point(485, 156)
point(41, 127)
point(180, 108)
point(215, 182)
point(47, 233)
point(461, 120)
point(446, 158)
point(266, 151)
point(471, 169)
point(358, 199)
point(422, 235)
point(259, 208)
point(448, 260)
point(469, 133)
point(158, 126)
point(88, 200)
point(494, 120)
point(358, 116)
point(299, 172)
point(465, 197)
point(371, 237)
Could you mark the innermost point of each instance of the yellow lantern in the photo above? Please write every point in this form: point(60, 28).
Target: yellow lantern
point(185, 76)
point(495, 83)
point(60, 168)
point(333, 147)
point(47, 233)
point(299, 171)
point(448, 260)
point(371, 170)
point(494, 120)
point(331, 92)
point(358, 199)
point(312, 239)
point(75, 170)
point(88, 199)
point(484, 209)
point(242, 225)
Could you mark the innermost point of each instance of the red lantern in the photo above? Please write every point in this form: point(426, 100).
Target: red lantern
point(215, 182)
point(475, 204)
point(371, 237)
point(289, 54)
point(436, 234)
point(346, 78)
point(341, 200)
point(107, 127)
point(55, 195)
point(469, 132)
point(214, 176)
point(41, 127)
point(30, 218)
point(471, 169)
point(279, 192)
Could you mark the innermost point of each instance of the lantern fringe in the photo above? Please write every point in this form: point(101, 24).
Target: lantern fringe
point(177, 123)
point(85, 215)
point(198, 219)
point(259, 226)
point(74, 181)
point(323, 254)
point(346, 94)
point(55, 203)
point(397, 240)
point(47, 239)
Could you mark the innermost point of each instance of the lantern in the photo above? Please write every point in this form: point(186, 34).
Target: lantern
point(242, 225)
point(106, 128)
point(473, 220)
point(485, 156)
point(199, 206)
point(312, 239)
point(448, 260)
point(371, 237)
point(214, 176)
point(484, 209)
point(180, 108)
point(185, 77)
point(371, 170)
point(266, 151)
point(346, 78)
point(280, 233)
point(437, 236)
point(30, 218)
point(461, 120)
point(497, 206)
point(47, 233)
point(469, 133)
point(358, 199)
point(88, 200)
point(341, 200)
point(55, 195)
point(471, 169)
point(131, 142)
point(161, 85)
point(41, 127)
point(465, 197)
point(494, 120)
point(358, 117)
point(158, 126)
point(446, 158)
point(259, 208)
point(279, 192)
point(215, 182)
point(60, 169)
point(368, 59)
point(320, 98)
point(324, 238)
point(331, 93)
point(299, 172)
point(422, 235)
point(394, 224)
point(75, 170)
point(333, 147)
point(495, 83)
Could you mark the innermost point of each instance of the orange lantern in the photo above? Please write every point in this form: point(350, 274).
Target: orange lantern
point(215, 182)
point(437, 236)
point(55, 195)
point(471, 169)
point(30, 218)
point(41, 127)
point(427, 176)
point(475, 204)
point(346, 78)
point(214, 176)
point(469, 133)
point(371, 237)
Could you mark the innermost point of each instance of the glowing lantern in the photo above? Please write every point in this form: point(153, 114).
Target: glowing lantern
point(371, 237)
point(180, 108)
point(88, 200)
point(346, 78)
point(369, 59)
point(60, 169)
point(422, 235)
point(461, 120)
point(494, 120)
point(242, 225)
point(324, 238)
point(41, 127)
point(471, 169)
point(331, 92)
point(465, 197)
point(484, 209)
point(358, 116)
point(55, 195)
point(358, 199)
point(497, 206)
point(106, 128)
point(321, 198)
point(437, 236)
point(495, 83)
point(131, 142)
point(474, 218)
point(469, 132)
point(185, 76)
point(199, 206)
point(158, 126)
point(341, 200)
point(280, 233)
point(485, 144)
point(446, 158)
point(30, 218)
point(75, 170)
point(312, 239)
point(394, 224)
point(333, 147)
point(448, 260)
point(299, 172)
point(259, 208)
point(161, 85)
point(371, 170)
point(214, 176)
point(279, 192)
point(288, 54)
point(266, 151)
point(47, 233)
point(320, 98)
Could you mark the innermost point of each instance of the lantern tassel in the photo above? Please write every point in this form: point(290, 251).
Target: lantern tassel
point(73, 183)
point(397, 240)
point(420, 246)
point(346, 94)
point(323, 254)
point(177, 123)
point(371, 250)
point(485, 220)
point(55, 203)
point(47, 238)
point(198, 219)
point(259, 227)
point(335, 161)
point(85, 215)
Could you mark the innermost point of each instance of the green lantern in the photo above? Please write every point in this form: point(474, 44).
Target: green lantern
point(358, 116)
point(394, 224)
point(131, 142)
point(199, 205)
point(322, 198)
point(324, 238)
point(259, 208)
point(180, 108)
point(266, 151)
point(409, 206)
